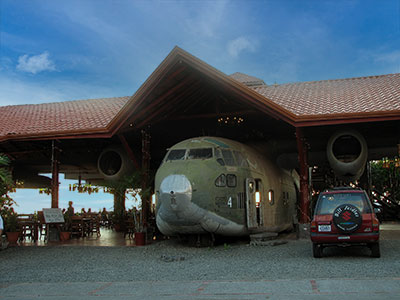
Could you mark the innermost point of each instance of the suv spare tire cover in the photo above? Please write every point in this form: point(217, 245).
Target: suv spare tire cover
point(347, 218)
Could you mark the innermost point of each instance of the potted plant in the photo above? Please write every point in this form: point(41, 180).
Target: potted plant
point(140, 235)
point(65, 229)
point(11, 227)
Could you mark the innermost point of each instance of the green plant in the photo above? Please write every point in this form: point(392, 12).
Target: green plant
point(385, 177)
point(6, 186)
point(11, 221)
point(129, 184)
point(67, 221)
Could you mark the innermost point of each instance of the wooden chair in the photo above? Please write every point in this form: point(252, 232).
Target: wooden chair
point(129, 228)
point(26, 224)
point(94, 223)
point(77, 226)
point(105, 221)
point(42, 227)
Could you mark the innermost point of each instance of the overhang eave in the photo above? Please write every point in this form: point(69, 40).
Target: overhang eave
point(92, 134)
point(337, 119)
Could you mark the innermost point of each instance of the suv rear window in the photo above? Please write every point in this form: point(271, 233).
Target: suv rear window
point(327, 202)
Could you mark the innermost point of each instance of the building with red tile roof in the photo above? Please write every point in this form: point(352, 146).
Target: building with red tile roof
point(185, 97)
point(313, 103)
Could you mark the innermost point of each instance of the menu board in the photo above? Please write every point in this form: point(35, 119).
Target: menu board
point(53, 215)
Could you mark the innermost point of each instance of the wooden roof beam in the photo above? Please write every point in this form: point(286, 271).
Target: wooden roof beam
point(163, 107)
point(171, 112)
point(159, 99)
point(188, 103)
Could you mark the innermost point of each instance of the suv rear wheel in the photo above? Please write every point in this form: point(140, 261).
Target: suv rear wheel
point(317, 250)
point(375, 250)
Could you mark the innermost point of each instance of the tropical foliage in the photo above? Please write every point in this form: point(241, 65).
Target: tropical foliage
point(6, 184)
point(385, 176)
point(6, 202)
point(129, 184)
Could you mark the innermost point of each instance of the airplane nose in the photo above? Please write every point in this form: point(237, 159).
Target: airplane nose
point(176, 191)
point(176, 184)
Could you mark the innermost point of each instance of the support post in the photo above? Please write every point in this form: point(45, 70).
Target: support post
point(54, 174)
point(304, 190)
point(119, 207)
point(145, 179)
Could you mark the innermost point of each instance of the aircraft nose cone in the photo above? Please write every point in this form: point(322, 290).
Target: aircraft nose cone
point(176, 184)
point(176, 191)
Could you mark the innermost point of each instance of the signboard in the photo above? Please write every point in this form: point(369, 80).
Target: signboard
point(53, 215)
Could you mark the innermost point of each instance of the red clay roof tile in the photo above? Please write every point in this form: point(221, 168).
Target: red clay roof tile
point(59, 117)
point(247, 79)
point(341, 96)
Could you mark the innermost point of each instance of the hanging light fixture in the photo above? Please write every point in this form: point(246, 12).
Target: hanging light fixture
point(231, 121)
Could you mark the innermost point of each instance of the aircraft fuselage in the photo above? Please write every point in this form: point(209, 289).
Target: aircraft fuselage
point(219, 186)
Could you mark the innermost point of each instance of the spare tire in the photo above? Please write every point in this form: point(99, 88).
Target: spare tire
point(347, 218)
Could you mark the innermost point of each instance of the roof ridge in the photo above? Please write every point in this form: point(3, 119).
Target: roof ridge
point(327, 80)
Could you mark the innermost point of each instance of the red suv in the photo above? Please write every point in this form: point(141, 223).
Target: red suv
point(344, 217)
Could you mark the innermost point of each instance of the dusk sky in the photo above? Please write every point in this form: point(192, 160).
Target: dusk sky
point(54, 50)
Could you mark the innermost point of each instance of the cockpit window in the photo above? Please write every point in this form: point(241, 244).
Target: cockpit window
point(200, 153)
point(177, 154)
point(218, 155)
point(228, 157)
point(241, 161)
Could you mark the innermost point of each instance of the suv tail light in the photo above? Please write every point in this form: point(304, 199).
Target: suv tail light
point(313, 226)
point(375, 224)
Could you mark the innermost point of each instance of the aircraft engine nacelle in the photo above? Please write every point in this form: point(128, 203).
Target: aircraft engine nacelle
point(347, 153)
point(113, 163)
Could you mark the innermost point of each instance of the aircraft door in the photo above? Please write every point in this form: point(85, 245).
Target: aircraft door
point(251, 208)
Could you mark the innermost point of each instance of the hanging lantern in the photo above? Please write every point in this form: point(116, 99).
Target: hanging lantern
point(396, 162)
point(386, 163)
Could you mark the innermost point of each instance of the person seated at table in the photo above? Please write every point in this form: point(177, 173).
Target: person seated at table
point(89, 210)
point(83, 211)
point(104, 217)
point(70, 209)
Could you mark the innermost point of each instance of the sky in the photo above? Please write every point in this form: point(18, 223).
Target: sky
point(30, 200)
point(53, 50)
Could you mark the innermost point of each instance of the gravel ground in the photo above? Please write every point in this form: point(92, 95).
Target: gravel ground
point(169, 260)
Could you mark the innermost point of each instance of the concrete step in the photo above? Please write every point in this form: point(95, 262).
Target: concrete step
point(263, 239)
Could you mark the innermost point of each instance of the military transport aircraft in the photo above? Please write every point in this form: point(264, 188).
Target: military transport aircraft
point(219, 186)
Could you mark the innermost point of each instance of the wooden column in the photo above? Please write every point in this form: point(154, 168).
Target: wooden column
point(119, 204)
point(145, 179)
point(54, 175)
point(304, 189)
